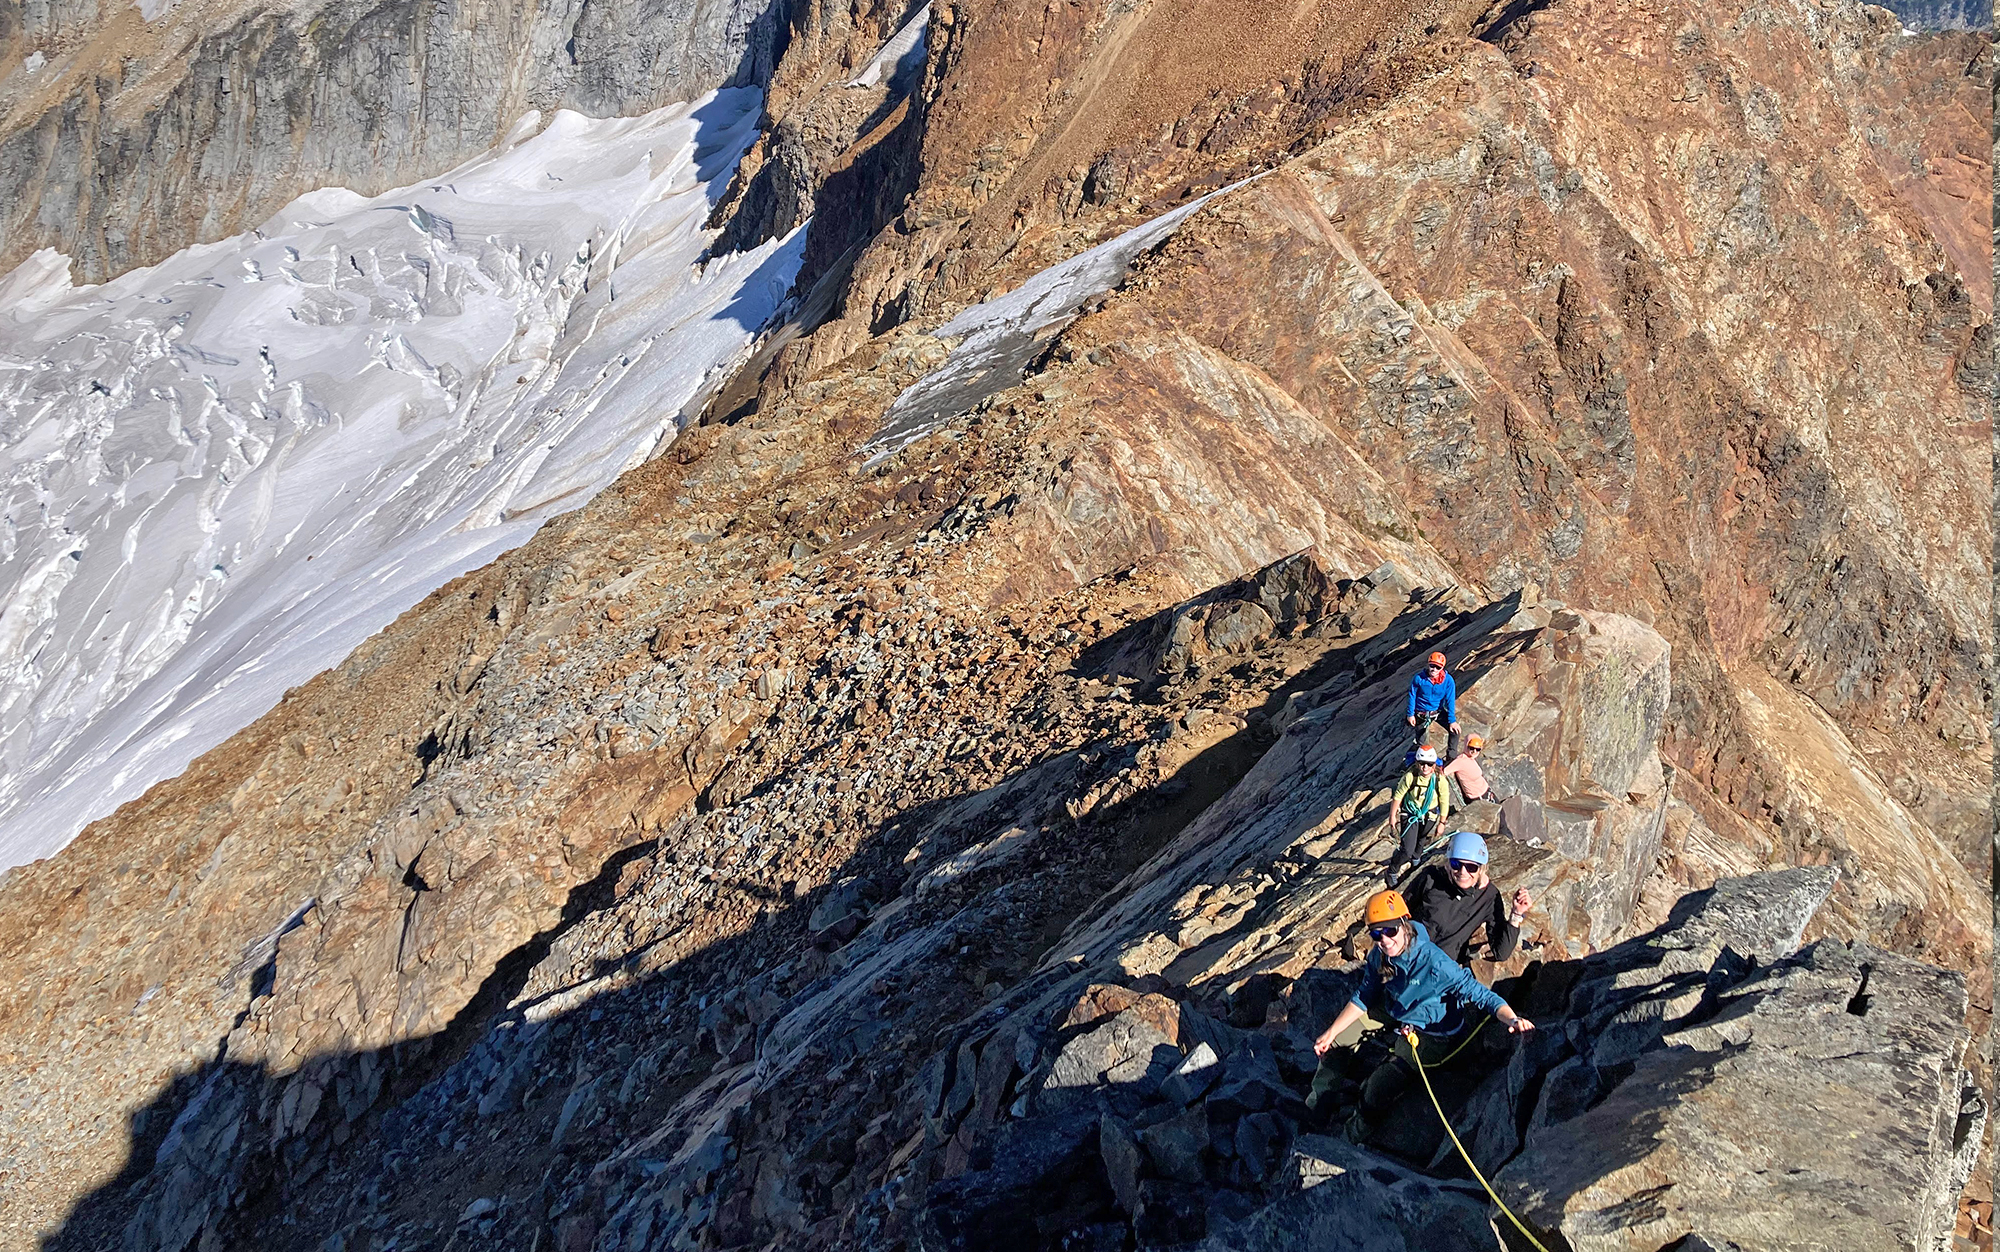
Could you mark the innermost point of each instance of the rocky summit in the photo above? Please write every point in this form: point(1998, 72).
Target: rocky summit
point(930, 798)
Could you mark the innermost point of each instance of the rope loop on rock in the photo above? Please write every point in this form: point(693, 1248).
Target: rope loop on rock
point(1422, 1072)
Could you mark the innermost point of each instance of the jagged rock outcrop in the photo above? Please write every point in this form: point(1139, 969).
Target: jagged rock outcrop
point(1591, 344)
point(1707, 1080)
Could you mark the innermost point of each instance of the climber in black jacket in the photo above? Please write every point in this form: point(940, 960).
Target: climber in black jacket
point(1452, 900)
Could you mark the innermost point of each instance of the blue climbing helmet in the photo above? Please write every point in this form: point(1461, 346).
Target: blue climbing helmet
point(1467, 846)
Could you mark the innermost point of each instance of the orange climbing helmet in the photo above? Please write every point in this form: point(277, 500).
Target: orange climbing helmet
point(1475, 741)
point(1437, 658)
point(1387, 906)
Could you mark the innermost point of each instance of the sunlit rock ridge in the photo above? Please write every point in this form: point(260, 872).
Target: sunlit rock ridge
point(926, 800)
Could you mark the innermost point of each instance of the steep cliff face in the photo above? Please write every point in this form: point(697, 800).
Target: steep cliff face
point(667, 879)
point(129, 131)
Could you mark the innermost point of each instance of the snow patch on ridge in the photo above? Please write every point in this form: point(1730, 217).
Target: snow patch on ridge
point(221, 474)
point(998, 339)
point(905, 50)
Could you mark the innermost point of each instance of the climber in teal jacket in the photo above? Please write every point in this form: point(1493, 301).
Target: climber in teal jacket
point(1410, 983)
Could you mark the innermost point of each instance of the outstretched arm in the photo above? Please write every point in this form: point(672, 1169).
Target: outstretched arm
point(1349, 1014)
point(1514, 1022)
point(1504, 926)
point(1485, 997)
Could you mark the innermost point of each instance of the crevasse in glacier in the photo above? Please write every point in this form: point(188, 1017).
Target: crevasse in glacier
point(224, 472)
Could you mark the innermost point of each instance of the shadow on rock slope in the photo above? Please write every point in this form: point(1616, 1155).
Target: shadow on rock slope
point(1484, 319)
point(903, 1059)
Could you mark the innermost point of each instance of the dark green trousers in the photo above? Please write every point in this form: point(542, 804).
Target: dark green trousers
point(1386, 1084)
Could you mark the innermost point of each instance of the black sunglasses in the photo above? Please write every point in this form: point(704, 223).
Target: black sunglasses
point(1379, 933)
point(1463, 867)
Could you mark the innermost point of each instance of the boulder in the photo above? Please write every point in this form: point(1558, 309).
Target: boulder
point(1815, 1103)
point(1250, 1082)
point(1193, 1076)
point(1237, 628)
point(1169, 1213)
point(841, 909)
point(1178, 1145)
point(1356, 1201)
point(1127, 1051)
point(1261, 1140)
point(995, 1206)
point(1122, 1160)
point(1102, 1000)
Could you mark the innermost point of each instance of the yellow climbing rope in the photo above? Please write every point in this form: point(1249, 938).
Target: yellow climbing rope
point(1422, 1072)
point(1446, 1058)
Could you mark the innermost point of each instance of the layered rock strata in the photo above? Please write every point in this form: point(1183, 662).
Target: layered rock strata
point(662, 880)
point(1705, 1084)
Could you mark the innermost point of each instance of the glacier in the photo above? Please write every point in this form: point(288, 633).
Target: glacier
point(220, 474)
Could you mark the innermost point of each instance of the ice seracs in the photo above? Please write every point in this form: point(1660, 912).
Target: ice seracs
point(220, 474)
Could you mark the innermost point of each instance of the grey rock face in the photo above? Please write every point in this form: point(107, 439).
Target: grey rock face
point(1817, 1108)
point(1178, 1145)
point(1355, 1200)
point(1706, 1084)
point(200, 129)
point(1125, 1051)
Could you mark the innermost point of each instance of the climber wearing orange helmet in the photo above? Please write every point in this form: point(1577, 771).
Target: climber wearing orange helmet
point(1433, 694)
point(1426, 996)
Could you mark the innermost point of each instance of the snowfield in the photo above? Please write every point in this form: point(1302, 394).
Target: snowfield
point(902, 55)
point(221, 474)
point(1000, 338)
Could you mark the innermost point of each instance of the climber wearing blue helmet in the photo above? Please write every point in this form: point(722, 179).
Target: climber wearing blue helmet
point(1455, 899)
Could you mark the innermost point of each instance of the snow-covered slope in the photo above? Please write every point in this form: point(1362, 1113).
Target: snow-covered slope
point(1000, 337)
point(224, 472)
point(901, 55)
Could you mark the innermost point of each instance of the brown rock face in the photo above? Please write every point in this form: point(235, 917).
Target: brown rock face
point(1638, 352)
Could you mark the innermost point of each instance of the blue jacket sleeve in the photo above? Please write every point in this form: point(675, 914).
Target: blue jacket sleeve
point(1368, 996)
point(1414, 680)
point(1470, 989)
point(1450, 701)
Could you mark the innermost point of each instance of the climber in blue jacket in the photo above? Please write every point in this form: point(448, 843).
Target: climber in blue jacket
point(1433, 694)
point(1432, 1001)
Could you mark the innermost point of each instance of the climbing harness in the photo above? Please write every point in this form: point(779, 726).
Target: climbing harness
point(1462, 1153)
point(1446, 1058)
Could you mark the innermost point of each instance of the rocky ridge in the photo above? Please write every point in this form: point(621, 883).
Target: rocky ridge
point(668, 879)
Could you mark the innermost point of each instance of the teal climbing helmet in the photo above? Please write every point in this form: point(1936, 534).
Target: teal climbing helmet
point(1467, 846)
